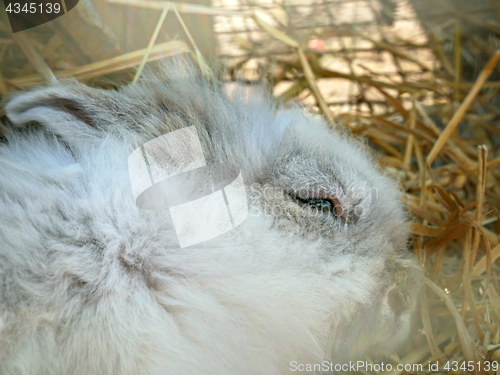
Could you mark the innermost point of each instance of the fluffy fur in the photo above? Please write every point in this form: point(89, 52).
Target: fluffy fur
point(92, 284)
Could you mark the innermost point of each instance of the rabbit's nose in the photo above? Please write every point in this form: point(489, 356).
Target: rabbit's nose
point(401, 297)
point(398, 301)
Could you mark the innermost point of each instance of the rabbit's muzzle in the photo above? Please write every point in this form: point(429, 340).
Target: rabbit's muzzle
point(404, 287)
point(381, 326)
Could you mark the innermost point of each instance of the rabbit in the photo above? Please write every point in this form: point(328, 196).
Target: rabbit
point(91, 283)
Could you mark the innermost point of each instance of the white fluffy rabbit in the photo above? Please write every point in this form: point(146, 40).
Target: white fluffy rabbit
point(92, 284)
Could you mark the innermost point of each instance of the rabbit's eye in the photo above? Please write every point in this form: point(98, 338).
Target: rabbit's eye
point(324, 205)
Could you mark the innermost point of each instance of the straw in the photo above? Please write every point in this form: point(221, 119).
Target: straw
point(115, 64)
point(481, 187)
point(34, 57)
point(181, 7)
point(151, 43)
point(463, 334)
point(455, 120)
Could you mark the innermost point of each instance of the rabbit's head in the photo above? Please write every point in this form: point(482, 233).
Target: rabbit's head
point(319, 269)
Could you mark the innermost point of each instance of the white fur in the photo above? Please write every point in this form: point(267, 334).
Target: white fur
point(91, 284)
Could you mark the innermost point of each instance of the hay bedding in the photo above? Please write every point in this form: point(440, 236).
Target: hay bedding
point(430, 115)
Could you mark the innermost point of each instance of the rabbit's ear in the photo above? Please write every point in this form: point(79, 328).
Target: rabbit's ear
point(71, 110)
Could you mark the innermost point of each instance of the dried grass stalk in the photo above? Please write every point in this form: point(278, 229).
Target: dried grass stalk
point(34, 57)
point(457, 117)
point(151, 43)
point(466, 341)
point(116, 64)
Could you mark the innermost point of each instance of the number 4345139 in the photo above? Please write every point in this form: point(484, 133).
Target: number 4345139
point(33, 8)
